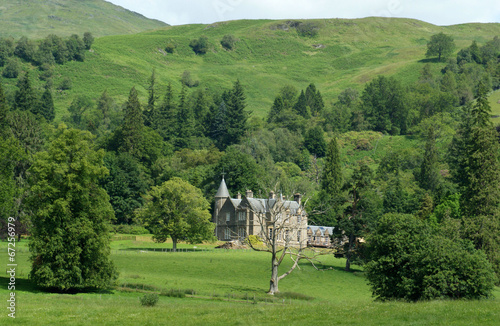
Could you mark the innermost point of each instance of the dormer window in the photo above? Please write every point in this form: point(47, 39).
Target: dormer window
point(228, 217)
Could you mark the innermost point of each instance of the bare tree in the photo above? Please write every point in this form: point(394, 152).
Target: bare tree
point(283, 231)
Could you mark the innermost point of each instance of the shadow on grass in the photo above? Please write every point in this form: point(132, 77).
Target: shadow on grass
point(25, 285)
point(166, 249)
point(430, 60)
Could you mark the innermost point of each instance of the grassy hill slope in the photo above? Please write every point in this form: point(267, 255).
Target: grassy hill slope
point(267, 56)
point(37, 18)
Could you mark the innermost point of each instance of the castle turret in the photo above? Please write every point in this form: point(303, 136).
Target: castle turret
point(221, 196)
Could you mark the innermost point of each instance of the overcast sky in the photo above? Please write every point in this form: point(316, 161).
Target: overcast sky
point(438, 12)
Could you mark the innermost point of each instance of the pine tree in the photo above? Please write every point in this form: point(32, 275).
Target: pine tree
point(46, 106)
point(314, 100)
point(25, 98)
point(480, 200)
point(332, 181)
point(165, 124)
point(151, 113)
point(200, 110)
point(219, 126)
point(236, 114)
point(301, 107)
point(429, 174)
point(276, 110)
point(132, 125)
point(184, 121)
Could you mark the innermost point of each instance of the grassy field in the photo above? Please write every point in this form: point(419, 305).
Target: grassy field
point(39, 18)
point(226, 283)
point(345, 53)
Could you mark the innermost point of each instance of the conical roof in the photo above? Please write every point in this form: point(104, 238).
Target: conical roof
point(222, 192)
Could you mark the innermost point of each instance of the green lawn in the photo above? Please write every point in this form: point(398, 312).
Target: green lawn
point(222, 281)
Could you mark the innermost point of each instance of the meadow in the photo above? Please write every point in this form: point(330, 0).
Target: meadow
point(227, 287)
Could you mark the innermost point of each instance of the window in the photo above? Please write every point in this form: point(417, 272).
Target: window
point(299, 233)
point(299, 219)
point(242, 215)
point(270, 233)
point(241, 233)
point(228, 217)
point(227, 234)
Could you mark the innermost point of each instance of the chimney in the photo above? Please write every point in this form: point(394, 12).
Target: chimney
point(249, 194)
point(298, 198)
point(238, 196)
point(272, 195)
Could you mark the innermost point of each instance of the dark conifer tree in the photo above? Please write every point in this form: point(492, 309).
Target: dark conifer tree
point(276, 110)
point(236, 114)
point(46, 106)
point(219, 129)
point(301, 107)
point(133, 125)
point(480, 200)
point(150, 113)
point(200, 111)
point(184, 121)
point(332, 181)
point(25, 98)
point(429, 174)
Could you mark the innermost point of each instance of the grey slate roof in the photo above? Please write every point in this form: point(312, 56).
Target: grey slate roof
point(321, 229)
point(222, 192)
point(263, 205)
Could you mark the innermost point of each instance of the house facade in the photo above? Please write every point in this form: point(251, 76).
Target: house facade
point(237, 218)
point(319, 236)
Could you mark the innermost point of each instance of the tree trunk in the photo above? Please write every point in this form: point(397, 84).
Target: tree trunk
point(348, 254)
point(273, 286)
point(174, 244)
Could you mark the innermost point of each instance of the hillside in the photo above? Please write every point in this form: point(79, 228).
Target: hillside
point(37, 18)
point(267, 56)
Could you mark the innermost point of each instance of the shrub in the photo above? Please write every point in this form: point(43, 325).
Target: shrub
point(228, 42)
point(187, 80)
point(307, 29)
point(254, 240)
point(129, 229)
point(149, 300)
point(170, 48)
point(66, 84)
point(199, 46)
point(412, 262)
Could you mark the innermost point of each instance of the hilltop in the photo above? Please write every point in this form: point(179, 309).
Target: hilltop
point(267, 56)
point(37, 18)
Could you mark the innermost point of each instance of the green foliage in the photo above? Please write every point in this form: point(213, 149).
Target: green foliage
point(177, 210)
point(188, 81)
point(441, 45)
point(11, 69)
point(228, 41)
point(66, 84)
point(314, 141)
point(384, 105)
point(149, 299)
point(170, 48)
point(412, 263)
point(88, 40)
point(307, 29)
point(70, 237)
point(200, 45)
point(129, 229)
point(25, 97)
point(332, 180)
point(45, 106)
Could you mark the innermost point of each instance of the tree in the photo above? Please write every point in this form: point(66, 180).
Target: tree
point(429, 174)
point(236, 114)
point(383, 105)
point(279, 229)
point(441, 45)
point(25, 49)
point(331, 181)
point(412, 262)
point(228, 41)
point(177, 210)
point(88, 40)
point(46, 106)
point(4, 111)
point(151, 113)
point(71, 215)
point(25, 95)
point(354, 223)
point(132, 126)
point(200, 45)
point(480, 200)
point(11, 69)
point(76, 48)
point(315, 141)
point(301, 107)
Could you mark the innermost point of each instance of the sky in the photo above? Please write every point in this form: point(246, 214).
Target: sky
point(438, 12)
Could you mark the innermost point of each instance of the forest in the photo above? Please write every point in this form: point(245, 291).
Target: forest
point(423, 156)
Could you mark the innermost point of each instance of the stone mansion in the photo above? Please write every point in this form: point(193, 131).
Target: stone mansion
point(237, 218)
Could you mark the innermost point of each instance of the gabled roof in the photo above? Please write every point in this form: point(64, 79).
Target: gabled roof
point(222, 192)
point(321, 229)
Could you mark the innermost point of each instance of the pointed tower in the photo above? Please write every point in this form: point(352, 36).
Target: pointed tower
point(220, 198)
